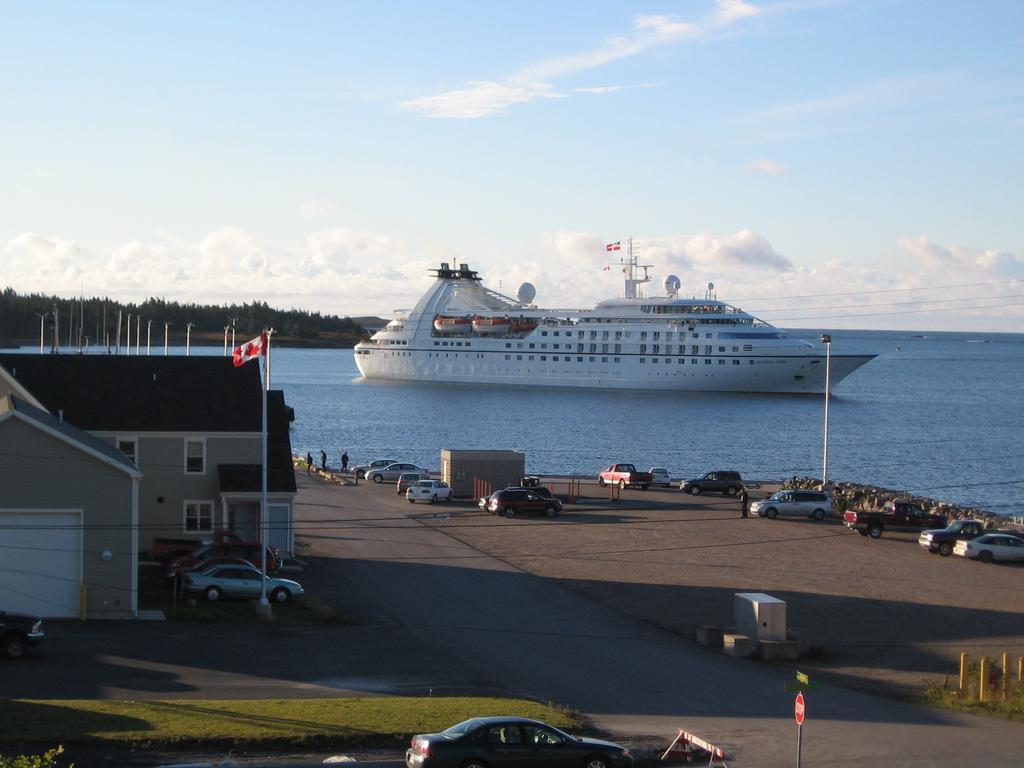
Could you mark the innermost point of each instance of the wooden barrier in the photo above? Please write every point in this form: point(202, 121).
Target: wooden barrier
point(965, 667)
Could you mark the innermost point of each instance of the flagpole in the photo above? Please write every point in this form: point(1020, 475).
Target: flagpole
point(264, 606)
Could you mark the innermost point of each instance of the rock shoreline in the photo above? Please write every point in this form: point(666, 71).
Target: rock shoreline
point(856, 496)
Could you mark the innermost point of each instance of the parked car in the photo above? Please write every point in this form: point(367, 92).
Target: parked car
point(728, 482)
point(406, 479)
point(511, 742)
point(18, 633)
point(794, 503)
point(429, 490)
point(540, 490)
point(392, 472)
point(164, 549)
point(360, 470)
point(513, 501)
point(172, 572)
point(992, 547)
point(660, 476)
point(250, 552)
point(238, 581)
point(942, 540)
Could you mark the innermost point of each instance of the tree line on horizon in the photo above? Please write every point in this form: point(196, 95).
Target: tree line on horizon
point(93, 321)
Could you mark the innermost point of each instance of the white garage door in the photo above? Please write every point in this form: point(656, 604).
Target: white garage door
point(40, 561)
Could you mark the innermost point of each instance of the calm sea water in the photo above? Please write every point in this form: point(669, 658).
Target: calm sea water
point(940, 414)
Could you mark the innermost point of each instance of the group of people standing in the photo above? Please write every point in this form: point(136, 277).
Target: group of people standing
point(323, 461)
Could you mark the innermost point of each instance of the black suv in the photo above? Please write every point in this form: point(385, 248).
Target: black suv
point(18, 633)
point(512, 501)
point(724, 481)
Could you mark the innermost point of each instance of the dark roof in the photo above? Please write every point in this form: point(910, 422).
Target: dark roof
point(143, 394)
point(14, 403)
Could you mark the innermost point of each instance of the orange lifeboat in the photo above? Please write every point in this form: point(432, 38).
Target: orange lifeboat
point(452, 324)
point(524, 325)
point(491, 325)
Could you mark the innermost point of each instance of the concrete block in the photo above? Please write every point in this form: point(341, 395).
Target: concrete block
point(741, 646)
point(710, 636)
point(779, 650)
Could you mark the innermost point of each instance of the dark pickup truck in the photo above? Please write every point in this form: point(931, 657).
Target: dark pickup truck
point(895, 515)
point(943, 540)
point(18, 633)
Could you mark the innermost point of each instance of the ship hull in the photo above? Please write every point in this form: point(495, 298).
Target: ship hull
point(768, 374)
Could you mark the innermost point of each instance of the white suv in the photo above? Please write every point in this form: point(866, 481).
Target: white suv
point(794, 503)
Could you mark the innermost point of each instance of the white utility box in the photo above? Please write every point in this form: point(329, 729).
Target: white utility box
point(760, 616)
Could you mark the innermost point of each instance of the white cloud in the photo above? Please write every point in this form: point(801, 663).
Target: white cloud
point(771, 167)
point(482, 98)
point(963, 261)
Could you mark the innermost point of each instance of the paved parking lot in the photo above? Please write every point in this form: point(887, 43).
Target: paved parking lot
point(875, 613)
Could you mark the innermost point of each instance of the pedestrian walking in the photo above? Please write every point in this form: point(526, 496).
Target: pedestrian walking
point(744, 506)
point(344, 462)
point(309, 462)
point(323, 460)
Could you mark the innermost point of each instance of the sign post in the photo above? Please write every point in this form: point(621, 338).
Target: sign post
point(799, 710)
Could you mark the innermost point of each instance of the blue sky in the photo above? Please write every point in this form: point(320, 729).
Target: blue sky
point(323, 155)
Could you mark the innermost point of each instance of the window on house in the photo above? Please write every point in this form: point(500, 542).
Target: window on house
point(129, 446)
point(198, 516)
point(195, 456)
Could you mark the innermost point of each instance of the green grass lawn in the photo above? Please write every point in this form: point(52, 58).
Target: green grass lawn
point(948, 697)
point(156, 594)
point(274, 723)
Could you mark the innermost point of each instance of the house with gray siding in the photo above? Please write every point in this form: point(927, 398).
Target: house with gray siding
point(69, 510)
point(192, 426)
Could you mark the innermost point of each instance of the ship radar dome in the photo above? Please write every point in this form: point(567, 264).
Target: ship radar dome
point(672, 285)
point(526, 293)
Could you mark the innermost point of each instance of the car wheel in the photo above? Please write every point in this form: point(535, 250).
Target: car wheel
point(875, 530)
point(985, 556)
point(280, 595)
point(945, 549)
point(509, 512)
point(212, 594)
point(771, 513)
point(695, 490)
point(862, 532)
point(378, 479)
point(596, 761)
point(819, 514)
point(474, 763)
point(601, 482)
point(551, 511)
point(732, 490)
point(15, 646)
point(433, 499)
point(622, 485)
point(643, 487)
point(412, 501)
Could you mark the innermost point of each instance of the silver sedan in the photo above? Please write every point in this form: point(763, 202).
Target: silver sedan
point(238, 581)
point(392, 472)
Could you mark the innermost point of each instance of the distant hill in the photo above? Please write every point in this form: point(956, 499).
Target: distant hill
point(95, 320)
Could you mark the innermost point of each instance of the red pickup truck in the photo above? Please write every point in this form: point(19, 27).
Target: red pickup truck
point(624, 475)
point(895, 514)
point(167, 549)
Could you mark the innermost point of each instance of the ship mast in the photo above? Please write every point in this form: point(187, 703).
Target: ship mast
point(630, 271)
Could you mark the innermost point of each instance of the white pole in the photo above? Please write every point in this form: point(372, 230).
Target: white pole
point(128, 337)
point(188, 339)
point(225, 341)
point(828, 373)
point(117, 345)
point(166, 326)
point(264, 608)
point(149, 336)
point(42, 330)
point(138, 334)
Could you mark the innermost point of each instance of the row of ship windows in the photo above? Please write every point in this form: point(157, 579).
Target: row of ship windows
point(627, 334)
point(643, 360)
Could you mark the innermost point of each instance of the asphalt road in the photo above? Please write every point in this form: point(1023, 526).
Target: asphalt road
point(440, 616)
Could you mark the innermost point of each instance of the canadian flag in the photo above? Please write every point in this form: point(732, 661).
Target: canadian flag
point(250, 350)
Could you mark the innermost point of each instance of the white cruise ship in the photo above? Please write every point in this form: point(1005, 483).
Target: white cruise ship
point(461, 331)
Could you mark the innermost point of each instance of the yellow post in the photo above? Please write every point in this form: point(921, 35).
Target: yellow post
point(1020, 670)
point(1005, 680)
point(983, 679)
point(83, 601)
point(965, 663)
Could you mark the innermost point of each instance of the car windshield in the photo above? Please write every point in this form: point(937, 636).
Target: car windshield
point(461, 728)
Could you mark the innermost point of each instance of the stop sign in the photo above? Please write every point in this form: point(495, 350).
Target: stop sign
point(798, 709)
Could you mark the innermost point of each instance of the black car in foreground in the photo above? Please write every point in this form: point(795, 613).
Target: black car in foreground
point(18, 633)
point(511, 742)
